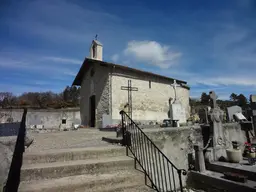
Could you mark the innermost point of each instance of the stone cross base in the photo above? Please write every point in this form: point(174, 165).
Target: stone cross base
point(218, 152)
point(214, 154)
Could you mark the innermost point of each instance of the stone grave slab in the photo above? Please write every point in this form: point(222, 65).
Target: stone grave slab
point(240, 117)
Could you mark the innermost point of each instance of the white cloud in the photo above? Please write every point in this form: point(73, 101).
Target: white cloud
point(39, 64)
point(211, 79)
point(224, 85)
point(115, 57)
point(224, 81)
point(152, 52)
point(63, 60)
point(38, 82)
point(70, 73)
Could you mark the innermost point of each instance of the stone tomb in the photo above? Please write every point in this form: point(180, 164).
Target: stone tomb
point(232, 111)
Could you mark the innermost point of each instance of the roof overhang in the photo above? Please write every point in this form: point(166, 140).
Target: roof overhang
point(89, 62)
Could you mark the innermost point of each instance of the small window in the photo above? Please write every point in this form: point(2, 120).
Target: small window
point(63, 121)
point(92, 72)
point(149, 84)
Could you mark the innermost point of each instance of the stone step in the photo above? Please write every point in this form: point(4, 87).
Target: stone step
point(79, 167)
point(62, 155)
point(116, 182)
point(68, 139)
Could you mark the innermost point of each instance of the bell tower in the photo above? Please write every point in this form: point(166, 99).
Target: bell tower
point(96, 50)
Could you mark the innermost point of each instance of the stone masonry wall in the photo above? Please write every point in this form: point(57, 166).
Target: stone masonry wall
point(97, 85)
point(149, 104)
point(49, 118)
point(177, 143)
point(5, 159)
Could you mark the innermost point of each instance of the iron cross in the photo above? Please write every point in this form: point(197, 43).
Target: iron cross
point(129, 88)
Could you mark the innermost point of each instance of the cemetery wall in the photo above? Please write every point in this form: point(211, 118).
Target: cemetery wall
point(7, 146)
point(49, 118)
point(177, 143)
point(151, 101)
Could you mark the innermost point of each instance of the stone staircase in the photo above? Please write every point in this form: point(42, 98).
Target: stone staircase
point(101, 167)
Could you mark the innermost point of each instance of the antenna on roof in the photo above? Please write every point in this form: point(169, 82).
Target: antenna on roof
point(96, 37)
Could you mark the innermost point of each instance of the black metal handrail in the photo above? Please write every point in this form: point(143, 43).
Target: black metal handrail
point(161, 172)
point(13, 179)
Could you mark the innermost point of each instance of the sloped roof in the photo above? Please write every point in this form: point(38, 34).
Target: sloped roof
point(97, 42)
point(88, 62)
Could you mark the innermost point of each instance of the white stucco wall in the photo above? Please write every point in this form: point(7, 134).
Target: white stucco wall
point(149, 104)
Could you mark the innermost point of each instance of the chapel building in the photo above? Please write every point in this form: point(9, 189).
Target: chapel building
point(104, 92)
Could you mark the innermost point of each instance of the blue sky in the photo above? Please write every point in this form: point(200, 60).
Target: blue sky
point(210, 44)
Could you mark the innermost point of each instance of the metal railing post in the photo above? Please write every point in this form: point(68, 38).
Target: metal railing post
point(122, 122)
point(181, 188)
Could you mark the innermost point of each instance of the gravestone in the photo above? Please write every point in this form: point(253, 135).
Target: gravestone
point(232, 111)
point(253, 108)
point(76, 123)
point(106, 120)
point(203, 115)
point(218, 140)
point(177, 112)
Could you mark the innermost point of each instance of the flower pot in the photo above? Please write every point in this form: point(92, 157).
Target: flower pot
point(234, 155)
point(251, 161)
point(251, 155)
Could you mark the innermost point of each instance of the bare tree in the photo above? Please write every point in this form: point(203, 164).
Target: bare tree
point(7, 99)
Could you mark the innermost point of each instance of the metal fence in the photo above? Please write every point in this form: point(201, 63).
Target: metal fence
point(162, 173)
